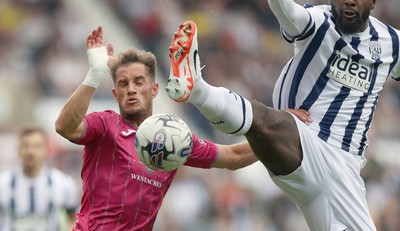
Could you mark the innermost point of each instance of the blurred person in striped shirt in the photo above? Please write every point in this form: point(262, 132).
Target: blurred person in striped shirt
point(34, 196)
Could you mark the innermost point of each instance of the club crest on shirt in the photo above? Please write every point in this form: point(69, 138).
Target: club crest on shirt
point(375, 49)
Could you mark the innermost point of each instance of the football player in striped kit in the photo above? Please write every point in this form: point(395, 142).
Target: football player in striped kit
point(34, 196)
point(342, 58)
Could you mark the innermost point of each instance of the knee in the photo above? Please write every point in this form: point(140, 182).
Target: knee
point(269, 120)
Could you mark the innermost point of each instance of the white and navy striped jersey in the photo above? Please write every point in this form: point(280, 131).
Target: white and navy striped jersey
point(33, 204)
point(338, 77)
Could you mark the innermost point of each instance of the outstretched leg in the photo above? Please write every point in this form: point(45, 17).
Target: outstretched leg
point(271, 133)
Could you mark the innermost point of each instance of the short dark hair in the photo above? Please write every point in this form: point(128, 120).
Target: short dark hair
point(29, 129)
point(133, 55)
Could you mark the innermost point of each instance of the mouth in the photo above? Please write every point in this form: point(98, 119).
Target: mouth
point(132, 101)
point(349, 14)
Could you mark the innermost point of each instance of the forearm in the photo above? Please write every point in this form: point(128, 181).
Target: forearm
point(69, 123)
point(243, 156)
point(292, 17)
point(235, 156)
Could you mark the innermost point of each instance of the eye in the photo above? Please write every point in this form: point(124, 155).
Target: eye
point(122, 83)
point(139, 81)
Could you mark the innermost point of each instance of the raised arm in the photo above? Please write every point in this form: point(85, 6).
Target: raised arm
point(292, 17)
point(235, 156)
point(69, 123)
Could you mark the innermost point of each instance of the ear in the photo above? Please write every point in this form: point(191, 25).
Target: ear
point(154, 90)
point(114, 92)
point(373, 4)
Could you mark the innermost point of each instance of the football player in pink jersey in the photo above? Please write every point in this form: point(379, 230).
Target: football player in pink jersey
point(119, 192)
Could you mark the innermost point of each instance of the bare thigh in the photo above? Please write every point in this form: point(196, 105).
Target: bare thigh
point(274, 139)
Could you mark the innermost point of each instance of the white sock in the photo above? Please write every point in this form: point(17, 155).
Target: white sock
point(224, 109)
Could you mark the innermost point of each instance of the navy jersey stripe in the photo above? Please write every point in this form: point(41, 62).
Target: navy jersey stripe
point(364, 139)
point(351, 126)
point(12, 199)
point(282, 84)
point(32, 199)
point(334, 108)
point(305, 61)
point(355, 41)
point(323, 79)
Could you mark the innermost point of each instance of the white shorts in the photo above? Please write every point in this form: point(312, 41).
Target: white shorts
point(327, 187)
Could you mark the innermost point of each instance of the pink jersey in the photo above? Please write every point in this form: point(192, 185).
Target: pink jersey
point(119, 192)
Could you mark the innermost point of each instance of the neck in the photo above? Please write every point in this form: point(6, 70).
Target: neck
point(134, 119)
point(31, 172)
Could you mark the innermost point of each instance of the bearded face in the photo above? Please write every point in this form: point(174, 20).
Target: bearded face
point(351, 19)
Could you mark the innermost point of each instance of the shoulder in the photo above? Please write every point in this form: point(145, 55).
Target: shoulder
point(60, 177)
point(318, 9)
point(5, 177)
point(103, 117)
point(319, 13)
point(382, 25)
point(106, 113)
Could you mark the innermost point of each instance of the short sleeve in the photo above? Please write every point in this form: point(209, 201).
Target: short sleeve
point(395, 73)
point(204, 153)
point(94, 126)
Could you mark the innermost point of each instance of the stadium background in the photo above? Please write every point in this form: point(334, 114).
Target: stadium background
point(43, 59)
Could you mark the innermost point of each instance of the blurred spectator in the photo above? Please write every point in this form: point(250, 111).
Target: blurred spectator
point(34, 196)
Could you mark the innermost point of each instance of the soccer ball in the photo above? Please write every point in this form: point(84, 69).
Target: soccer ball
point(163, 142)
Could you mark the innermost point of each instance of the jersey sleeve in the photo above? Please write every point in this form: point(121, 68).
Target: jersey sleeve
point(94, 126)
point(204, 153)
point(395, 72)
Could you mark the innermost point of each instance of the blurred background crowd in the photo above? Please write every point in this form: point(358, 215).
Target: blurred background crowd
point(43, 59)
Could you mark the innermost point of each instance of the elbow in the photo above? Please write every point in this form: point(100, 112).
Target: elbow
point(60, 128)
point(234, 166)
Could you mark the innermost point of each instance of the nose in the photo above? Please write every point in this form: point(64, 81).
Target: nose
point(350, 2)
point(131, 88)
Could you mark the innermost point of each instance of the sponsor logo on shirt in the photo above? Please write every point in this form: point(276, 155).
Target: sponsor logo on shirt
point(350, 73)
point(146, 180)
point(128, 132)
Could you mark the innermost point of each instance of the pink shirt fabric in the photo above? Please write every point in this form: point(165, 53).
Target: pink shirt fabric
point(119, 192)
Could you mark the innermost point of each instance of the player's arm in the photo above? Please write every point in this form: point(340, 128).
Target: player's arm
point(234, 156)
point(70, 123)
point(292, 17)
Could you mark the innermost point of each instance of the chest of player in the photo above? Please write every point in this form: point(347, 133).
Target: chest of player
point(359, 62)
point(124, 163)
